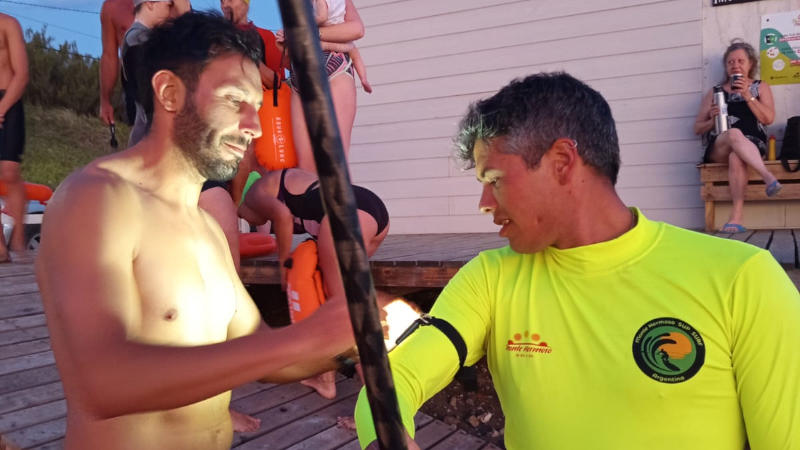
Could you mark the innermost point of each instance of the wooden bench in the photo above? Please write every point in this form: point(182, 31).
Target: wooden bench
point(782, 212)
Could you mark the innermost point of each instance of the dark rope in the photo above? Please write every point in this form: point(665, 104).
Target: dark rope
point(302, 37)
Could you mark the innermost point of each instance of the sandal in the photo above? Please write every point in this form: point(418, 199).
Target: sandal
point(733, 228)
point(773, 188)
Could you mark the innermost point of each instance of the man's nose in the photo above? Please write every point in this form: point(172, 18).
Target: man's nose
point(487, 202)
point(250, 124)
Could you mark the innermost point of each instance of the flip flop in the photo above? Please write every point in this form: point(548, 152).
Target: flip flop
point(773, 188)
point(733, 228)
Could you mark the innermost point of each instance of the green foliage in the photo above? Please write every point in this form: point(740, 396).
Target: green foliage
point(60, 77)
point(59, 141)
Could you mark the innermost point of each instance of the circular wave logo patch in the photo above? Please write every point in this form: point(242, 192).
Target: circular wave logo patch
point(668, 350)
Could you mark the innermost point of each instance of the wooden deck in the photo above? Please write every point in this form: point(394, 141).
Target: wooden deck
point(33, 409)
point(430, 260)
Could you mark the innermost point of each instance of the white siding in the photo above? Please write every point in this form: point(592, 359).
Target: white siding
point(427, 60)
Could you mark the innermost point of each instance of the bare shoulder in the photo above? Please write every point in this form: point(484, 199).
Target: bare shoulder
point(93, 191)
point(117, 10)
point(8, 23)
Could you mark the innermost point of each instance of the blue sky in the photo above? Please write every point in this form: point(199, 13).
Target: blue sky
point(84, 27)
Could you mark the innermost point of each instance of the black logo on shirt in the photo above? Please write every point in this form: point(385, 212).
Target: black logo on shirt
point(668, 350)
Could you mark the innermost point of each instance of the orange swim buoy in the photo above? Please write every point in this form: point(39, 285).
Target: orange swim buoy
point(275, 148)
point(33, 191)
point(304, 288)
point(256, 244)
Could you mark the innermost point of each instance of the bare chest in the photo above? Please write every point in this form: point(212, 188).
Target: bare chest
point(186, 284)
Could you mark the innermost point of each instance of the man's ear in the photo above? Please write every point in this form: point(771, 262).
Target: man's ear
point(564, 158)
point(169, 90)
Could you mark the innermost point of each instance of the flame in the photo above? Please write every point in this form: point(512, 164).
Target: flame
point(399, 316)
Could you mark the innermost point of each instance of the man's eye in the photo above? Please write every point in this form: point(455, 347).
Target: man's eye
point(235, 101)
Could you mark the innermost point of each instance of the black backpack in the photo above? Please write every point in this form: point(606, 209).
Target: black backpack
point(791, 144)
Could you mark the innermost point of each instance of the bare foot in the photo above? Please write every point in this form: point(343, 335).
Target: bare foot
point(244, 423)
point(324, 384)
point(5, 444)
point(346, 422)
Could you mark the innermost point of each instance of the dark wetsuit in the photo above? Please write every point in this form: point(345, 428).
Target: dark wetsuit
point(308, 212)
point(12, 135)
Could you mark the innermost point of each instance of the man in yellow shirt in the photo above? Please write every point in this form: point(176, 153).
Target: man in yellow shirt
point(602, 329)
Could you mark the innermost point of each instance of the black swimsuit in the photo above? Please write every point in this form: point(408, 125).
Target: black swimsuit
point(308, 211)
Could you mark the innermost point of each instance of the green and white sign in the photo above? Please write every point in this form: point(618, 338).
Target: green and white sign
point(780, 48)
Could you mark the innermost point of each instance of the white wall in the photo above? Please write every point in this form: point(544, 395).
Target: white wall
point(427, 59)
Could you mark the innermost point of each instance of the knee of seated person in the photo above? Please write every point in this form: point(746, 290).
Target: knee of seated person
point(735, 162)
point(736, 135)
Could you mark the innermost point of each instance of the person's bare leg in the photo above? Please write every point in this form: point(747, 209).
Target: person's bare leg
point(243, 423)
point(737, 181)
point(217, 202)
point(734, 141)
point(302, 143)
point(343, 94)
point(15, 204)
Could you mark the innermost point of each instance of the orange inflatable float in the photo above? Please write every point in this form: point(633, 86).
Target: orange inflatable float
point(256, 244)
point(304, 288)
point(275, 148)
point(33, 191)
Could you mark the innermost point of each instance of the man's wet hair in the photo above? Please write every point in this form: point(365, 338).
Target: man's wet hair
point(186, 45)
point(533, 112)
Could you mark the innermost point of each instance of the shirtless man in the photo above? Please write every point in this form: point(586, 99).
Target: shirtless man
point(13, 79)
point(150, 325)
point(116, 16)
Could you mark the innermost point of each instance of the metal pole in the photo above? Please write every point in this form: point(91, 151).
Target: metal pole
point(302, 38)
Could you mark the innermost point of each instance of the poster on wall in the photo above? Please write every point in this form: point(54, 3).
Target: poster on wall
point(780, 47)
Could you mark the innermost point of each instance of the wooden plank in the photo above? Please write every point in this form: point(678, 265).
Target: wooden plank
point(433, 433)
point(332, 438)
point(39, 434)
point(760, 238)
point(782, 247)
point(281, 415)
point(250, 389)
point(304, 427)
point(261, 401)
point(28, 378)
point(18, 284)
point(20, 305)
point(31, 416)
point(24, 362)
point(718, 172)
point(24, 348)
point(26, 398)
point(14, 323)
point(420, 421)
point(22, 335)
point(722, 193)
point(54, 445)
point(460, 440)
point(10, 270)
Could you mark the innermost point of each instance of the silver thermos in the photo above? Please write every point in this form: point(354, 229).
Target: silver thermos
point(721, 120)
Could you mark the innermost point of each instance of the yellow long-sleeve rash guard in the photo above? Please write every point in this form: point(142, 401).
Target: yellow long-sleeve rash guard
point(661, 339)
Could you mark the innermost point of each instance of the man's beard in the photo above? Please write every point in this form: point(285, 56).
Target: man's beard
point(199, 144)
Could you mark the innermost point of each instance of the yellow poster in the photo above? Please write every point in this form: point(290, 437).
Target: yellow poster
point(780, 47)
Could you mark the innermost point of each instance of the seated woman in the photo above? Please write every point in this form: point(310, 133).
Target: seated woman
point(290, 199)
point(750, 108)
